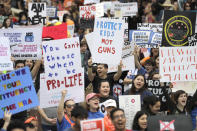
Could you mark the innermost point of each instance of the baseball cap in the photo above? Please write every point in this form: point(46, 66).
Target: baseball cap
point(110, 102)
point(91, 95)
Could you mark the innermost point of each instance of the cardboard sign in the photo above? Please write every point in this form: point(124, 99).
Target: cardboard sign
point(155, 27)
point(92, 125)
point(5, 55)
point(177, 26)
point(157, 89)
point(62, 62)
point(130, 104)
point(87, 12)
point(17, 92)
point(55, 32)
point(91, 1)
point(51, 12)
point(24, 42)
point(108, 48)
point(51, 98)
point(169, 123)
point(125, 9)
point(145, 39)
point(192, 40)
point(37, 13)
point(178, 64)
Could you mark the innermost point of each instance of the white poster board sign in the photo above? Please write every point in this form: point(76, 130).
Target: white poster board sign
point(178, 64)
point(24, 42)
point(91, 1)
point(130, 104)
point(155, 27)
point(5, 55)
point(51, 12)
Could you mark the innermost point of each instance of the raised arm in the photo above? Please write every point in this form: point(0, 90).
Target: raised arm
point(119, 72)
point(60, 109)
point(90, 74)
point(7, 118)
point(36, 68)
point(137, 63)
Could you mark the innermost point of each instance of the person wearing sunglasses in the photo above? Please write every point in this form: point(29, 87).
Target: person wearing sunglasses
point(64, 120)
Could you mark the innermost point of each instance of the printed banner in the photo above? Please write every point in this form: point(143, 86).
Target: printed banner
point(92, 125)
point(130, 104)
point(145, 39)
point(24, 42)
point(51, 98)
point(125, 9)
point(157, 89)
point(177, 26)
point(170, 123)
point(192, 40)
point(55, 32)
point(108, 48)
point(37, 13)
point(178, 64)
point(155, 27)
point(17, 92)
point(5, 55)
point(51, 12)
point(91, 1)
point(62, 62)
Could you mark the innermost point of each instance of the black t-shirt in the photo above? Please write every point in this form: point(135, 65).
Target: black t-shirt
point(97, 80)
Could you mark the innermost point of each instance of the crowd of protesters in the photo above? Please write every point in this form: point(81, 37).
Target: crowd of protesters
point(98, 82)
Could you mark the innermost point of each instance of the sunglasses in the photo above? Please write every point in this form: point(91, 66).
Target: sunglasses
point(69, 106)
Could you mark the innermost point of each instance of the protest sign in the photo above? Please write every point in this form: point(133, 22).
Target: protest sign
point(178, 64)
point(99, 10)
point(91, 1)
point(177, 26)
point(5, 55)
point(60, 14)
point(125, 9)
point(107, 6)
point(158, 90)
point(189, 87)
point(55, 32)
point(62, 62)
point(145, 38)
point(51, 98)
point(51, 12)
point(192, 40)
point(92, 125)
point(24, 42)
point(155, 27)
point(108, 46)
point(17, 92)
point(87, 12)
point(130, 104)
point(37, 13)
point(170, 123)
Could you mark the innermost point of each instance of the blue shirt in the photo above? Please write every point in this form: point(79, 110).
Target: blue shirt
point(63, 125)
point(94, 115)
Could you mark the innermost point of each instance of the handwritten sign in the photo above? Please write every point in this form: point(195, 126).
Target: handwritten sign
point(92, 125)
point(51, 98)
point(192, 40)
point(91, 1)
point(5, 55)
point(87, 12)
point(108, 48)
point(62, 62)
point(178, 64)
point(177, 26)
point(155, 27)
point(24, 42)
point(37, 13)
point(17, 92)
point(55, 32)
point(130, 104)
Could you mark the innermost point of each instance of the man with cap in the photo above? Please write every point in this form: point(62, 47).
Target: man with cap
point(109, 106)
point(92, 101)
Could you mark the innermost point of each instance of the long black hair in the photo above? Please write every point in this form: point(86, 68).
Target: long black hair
point(136, 125)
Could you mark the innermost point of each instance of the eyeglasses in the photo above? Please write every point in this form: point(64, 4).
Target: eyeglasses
point(119, 116)
point(70, 106)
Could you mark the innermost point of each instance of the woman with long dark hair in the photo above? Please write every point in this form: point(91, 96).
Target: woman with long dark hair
point(140, 121)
